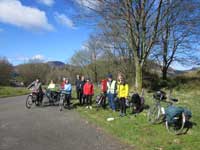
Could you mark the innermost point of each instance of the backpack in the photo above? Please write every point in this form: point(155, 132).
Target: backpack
point(137, 100)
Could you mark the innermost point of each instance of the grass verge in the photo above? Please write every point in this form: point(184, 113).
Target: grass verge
point(138, 132)
point(12, 91)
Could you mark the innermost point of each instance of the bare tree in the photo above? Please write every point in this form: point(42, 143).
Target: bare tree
point(180, 27)
point(87, 57)
point(138, 19)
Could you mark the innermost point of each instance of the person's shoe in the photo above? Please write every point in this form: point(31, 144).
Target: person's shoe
point(90, 107)
point(86, 107)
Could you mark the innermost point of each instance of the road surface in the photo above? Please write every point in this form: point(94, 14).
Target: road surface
point(45, 128)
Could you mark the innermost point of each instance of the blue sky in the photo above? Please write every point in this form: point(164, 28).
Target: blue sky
point(42, 29)
point(48, 33)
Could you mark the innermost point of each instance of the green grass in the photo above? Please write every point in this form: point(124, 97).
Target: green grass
point(12, 91)
point(137, 132)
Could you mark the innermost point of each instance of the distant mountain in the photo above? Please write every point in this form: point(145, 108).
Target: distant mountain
point(57, 64)
point(194, 69)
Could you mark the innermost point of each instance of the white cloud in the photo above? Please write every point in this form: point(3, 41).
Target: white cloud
point(47, 2)
point(64, 20)
point(38, 57)
point(13, 12)
point(93, 4)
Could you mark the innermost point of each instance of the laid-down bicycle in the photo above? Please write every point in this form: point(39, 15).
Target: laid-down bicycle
point(175, 118)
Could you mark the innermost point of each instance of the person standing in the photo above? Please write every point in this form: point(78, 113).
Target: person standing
point(81, 95)
point(122, 91)
point(111, 91)
point(103, 92)
point(68, 90)
point(77, 84)
point(88, 91)
point(62, 85)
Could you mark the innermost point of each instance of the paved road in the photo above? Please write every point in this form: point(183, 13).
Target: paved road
point(48, 129)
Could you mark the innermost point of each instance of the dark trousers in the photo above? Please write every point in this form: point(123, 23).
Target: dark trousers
point(67, 98)
point(40, 96)
point(104, 100)
point(78, 93)
point(81, 98)
point(88, 99)
point(122, 103)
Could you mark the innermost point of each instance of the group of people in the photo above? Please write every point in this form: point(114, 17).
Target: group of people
point(110, 88)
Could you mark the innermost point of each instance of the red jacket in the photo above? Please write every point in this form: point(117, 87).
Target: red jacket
point(88, 89)
point(103, 85)
point(62, 85)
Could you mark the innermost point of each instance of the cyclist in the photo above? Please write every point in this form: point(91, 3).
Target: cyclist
point(51, 91)
point(36, 87)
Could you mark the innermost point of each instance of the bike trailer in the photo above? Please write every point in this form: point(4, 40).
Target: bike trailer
point(173, 113)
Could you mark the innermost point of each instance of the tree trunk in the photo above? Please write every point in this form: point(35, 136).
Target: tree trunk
point(164, 73)
point(138, 77)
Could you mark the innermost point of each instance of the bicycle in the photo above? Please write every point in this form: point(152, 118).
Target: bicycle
point(101, 101)
point(158, 114)
point(154, 113)
point(32, 99)
point(53, 97)
point(63, 96)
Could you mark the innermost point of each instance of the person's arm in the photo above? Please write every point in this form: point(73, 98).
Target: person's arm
point(30, 85)
point(92, 90)
point(84, 88)
point(115, 86)
point(70, 87)
point(49, 86)
point(127, 90)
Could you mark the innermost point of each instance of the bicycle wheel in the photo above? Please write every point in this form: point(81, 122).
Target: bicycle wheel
point(29, 101)
point(154, 114)
point(177, 127)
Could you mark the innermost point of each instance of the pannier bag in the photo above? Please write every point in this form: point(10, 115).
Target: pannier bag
point(173, 113)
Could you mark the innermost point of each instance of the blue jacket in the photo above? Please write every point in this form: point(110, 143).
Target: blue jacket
point(68, 88)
